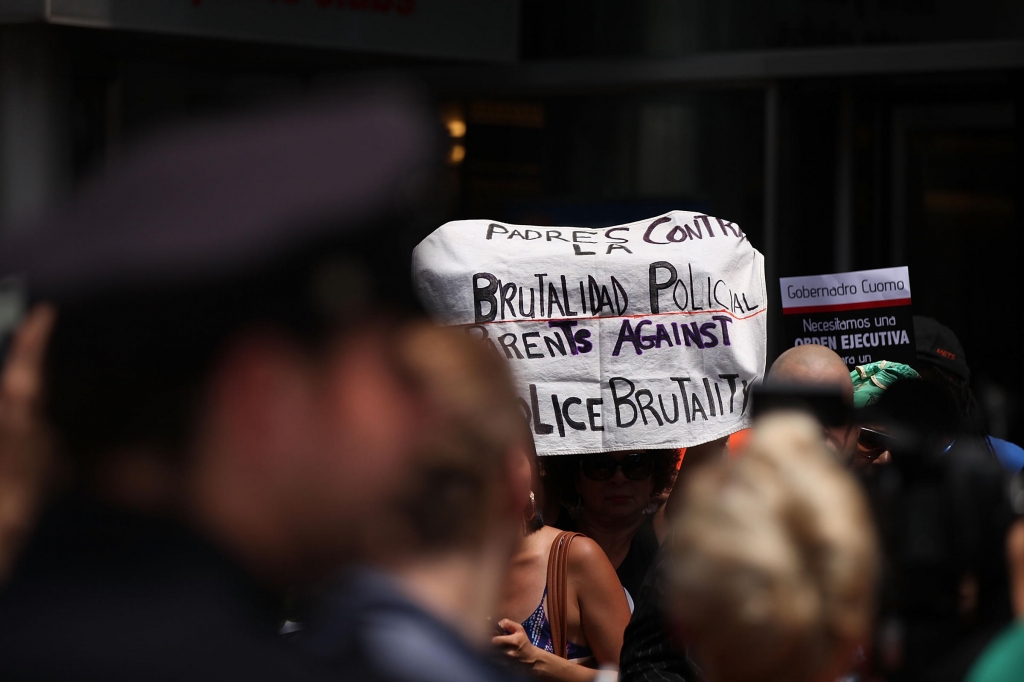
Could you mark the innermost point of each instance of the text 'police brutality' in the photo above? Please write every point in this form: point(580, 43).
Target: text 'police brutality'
point(644, 335)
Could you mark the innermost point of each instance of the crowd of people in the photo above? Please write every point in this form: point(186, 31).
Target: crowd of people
point(233, 447)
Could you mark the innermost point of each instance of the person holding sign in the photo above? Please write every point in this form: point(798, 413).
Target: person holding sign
point(607, 497)
point(627, 343)
point(643, 336)
point(566, 610)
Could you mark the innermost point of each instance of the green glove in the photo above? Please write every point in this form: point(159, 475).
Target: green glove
point(871, 380)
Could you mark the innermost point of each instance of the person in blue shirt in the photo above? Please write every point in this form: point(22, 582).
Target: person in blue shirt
point(942, 361)
point(422, 604)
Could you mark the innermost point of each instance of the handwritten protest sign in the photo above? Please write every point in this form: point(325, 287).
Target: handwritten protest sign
point(645, 335)
point(864, 316)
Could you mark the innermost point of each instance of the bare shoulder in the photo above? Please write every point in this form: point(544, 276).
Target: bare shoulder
point(587, 556)
point(594, 578)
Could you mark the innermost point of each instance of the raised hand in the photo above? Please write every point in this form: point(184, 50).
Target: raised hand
point(25, 445)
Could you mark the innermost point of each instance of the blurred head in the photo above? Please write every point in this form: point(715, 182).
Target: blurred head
point(816, 366)
point(235, 322)
point(469, 477)
point(246, 406)
point(611, 487)
point(773, 560)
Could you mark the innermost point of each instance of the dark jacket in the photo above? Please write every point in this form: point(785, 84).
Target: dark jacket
point(102, 594)
point(648, 654)
point(366, 619)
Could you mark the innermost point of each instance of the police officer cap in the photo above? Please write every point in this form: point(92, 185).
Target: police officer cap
point(234, 194)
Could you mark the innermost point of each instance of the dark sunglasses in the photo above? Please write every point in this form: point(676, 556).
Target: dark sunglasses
point(635, 466)
point(872, 444)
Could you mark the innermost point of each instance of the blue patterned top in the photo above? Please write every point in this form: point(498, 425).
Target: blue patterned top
point(538, 629)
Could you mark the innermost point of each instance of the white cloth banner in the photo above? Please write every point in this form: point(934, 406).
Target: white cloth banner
point(646, 335)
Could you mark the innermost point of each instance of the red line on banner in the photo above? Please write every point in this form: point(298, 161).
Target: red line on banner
point(618, 317)
point(864, 305)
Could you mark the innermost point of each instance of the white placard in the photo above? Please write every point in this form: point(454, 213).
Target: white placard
point(645, 335)
point(847, 290)
point(864, 316)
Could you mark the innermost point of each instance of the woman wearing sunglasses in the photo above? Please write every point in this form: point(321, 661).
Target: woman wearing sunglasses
point(591, 605)
point(607, 497)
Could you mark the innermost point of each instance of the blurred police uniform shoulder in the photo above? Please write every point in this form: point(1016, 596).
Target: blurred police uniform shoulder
point(366, 623)
point(103, 594)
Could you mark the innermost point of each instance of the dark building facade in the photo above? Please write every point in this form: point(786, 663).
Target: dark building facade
point(840, 134)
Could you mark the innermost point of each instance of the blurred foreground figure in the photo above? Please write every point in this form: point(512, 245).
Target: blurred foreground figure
point(943, 514)
point(421, 607)
point(813, 366)
point(647, 652)
point(227, 384)
point(1003, 660)
point(773, 563)
point(25, 447)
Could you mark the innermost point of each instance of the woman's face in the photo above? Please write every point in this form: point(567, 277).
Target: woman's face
point(615, 486)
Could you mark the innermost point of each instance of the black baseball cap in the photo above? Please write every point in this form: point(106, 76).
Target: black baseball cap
point(299, 219)
point(938, 345)
point(237, 194)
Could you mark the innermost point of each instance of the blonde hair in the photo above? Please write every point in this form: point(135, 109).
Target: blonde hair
point(774, 559)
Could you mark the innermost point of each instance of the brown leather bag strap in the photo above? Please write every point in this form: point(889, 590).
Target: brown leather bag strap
point(558, 574)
